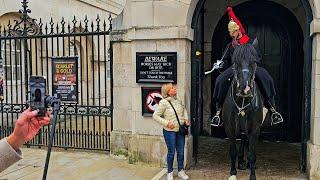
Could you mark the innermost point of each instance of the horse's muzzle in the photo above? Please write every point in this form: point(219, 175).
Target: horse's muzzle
point(246, 92)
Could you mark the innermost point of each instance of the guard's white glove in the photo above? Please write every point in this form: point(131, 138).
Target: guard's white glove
point(218, 64)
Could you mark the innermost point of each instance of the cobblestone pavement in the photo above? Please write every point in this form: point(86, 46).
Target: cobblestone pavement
point(275, 161)
point(76, 165)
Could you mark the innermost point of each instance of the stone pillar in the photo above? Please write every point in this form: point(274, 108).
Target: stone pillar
point(313, 152)
point(147, 26)
point(134, 135)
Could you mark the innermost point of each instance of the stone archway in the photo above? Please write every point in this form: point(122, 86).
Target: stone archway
point(311, 89)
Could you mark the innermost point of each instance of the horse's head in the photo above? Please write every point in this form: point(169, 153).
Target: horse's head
point(245, 58)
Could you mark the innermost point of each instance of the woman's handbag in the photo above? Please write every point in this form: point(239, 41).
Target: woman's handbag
point(183, 130)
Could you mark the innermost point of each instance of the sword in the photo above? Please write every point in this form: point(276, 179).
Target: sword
point(218, 64)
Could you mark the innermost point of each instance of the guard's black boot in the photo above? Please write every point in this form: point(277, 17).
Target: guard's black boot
point(276, 117)
point(215, 121)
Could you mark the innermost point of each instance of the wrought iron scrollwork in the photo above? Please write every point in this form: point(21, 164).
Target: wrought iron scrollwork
point(29, 44)
point(82, 110)
point(85, 110)
point(106, 111)
point(13, 108)
point(26, 25)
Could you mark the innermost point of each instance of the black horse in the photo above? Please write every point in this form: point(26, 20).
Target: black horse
point(242, 111)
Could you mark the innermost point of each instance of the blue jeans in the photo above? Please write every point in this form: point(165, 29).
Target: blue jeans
point(174, 142)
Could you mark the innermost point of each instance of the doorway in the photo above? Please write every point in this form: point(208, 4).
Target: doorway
point(281, 48)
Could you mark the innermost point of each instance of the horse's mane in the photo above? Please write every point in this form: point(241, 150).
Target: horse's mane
point(245, 52)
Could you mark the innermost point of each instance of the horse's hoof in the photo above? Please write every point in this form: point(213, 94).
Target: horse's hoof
point(233, 177)
point(243, 165)
point(253, 177)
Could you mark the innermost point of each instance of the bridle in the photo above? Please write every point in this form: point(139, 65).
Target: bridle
point(253, 75)
point(241, 109)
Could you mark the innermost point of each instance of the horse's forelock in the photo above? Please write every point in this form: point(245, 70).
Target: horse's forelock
point(245, 53)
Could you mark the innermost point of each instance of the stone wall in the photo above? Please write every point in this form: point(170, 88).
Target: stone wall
point(132, 131)
point(148, 26)
point(313, 152)
point(57, 9)
point(150, 149)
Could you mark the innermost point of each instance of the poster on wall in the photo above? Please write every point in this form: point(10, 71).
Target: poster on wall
point(156, 67)
point(65, 79)
point(1, 78)
point(150, 99)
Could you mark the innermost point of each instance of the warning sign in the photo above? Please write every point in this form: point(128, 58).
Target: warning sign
point(150, 99)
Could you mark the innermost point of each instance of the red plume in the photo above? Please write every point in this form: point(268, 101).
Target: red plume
point(235, 19)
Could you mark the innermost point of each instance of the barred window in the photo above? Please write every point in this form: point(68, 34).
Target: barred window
point(11, 54)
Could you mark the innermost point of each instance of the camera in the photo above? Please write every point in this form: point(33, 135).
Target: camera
point(38, 94)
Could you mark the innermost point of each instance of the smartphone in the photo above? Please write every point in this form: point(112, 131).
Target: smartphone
point(38, 94)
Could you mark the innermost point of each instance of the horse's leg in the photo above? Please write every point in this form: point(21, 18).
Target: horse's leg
point(242, 165)
point(246, 146)
point(233, 156)
point(252, 155)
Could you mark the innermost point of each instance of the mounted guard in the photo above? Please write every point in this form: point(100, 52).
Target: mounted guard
point(223, 81)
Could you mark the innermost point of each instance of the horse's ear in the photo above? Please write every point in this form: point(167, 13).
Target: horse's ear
point(255, 43)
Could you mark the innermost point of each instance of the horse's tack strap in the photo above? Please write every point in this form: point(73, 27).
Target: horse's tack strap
point(243, 108)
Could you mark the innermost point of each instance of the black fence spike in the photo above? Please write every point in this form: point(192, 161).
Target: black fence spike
point(46, 28)
point(51, 26)
point(74, 22)
point(98, 23)
point(92, 26)
point(9, 24)
point(110, 22)
point(80, 26)
point(62, 25)
point(86, 24)
point(57, 28)
point(4, 31)
point(104, 25)
point(40, 26)
point(9, 29)
point(69, 27)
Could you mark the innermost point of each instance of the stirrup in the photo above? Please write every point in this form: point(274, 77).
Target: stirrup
point(276, 118)
point(215, 121)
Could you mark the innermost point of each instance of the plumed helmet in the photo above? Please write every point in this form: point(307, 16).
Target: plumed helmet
point(233, 26)
point(234, 23)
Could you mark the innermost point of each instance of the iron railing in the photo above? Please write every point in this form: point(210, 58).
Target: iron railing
point(27, 48)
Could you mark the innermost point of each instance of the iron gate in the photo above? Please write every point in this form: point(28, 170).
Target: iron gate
point(27, 47)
